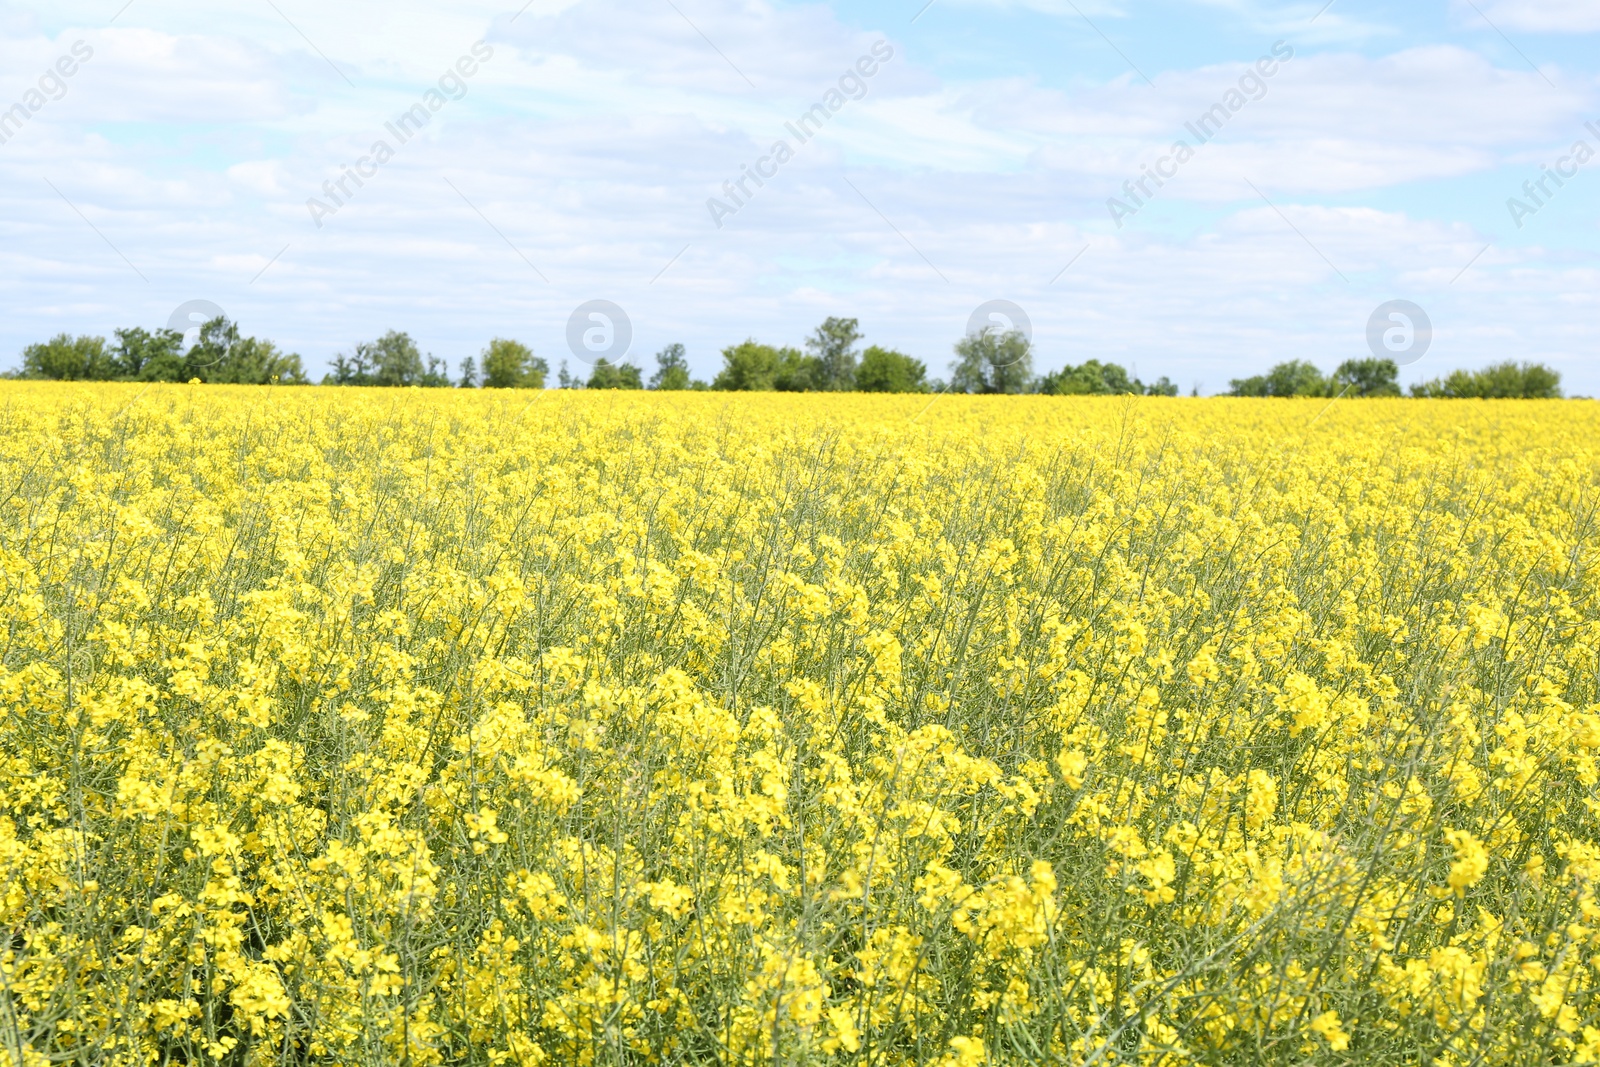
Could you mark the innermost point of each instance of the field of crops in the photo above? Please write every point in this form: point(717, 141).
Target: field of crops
point(505, 728)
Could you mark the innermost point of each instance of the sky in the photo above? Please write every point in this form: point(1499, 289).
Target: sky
point(959, 152)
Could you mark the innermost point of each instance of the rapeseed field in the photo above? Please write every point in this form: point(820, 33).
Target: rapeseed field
point(407, 727)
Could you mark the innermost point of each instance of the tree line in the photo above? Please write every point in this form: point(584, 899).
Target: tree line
point(993, 361)
point(220, 355)
point(1380, 377)
point(831, 360)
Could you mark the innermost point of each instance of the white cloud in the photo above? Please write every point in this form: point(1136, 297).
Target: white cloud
point(1545, 16)
point(140, 75)
point(265, 177)
point(594, 137)
point(1327, 123)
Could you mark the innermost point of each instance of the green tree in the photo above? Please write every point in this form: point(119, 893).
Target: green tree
point(395, 359)
point(1294, 378)
point(349, 370)
point(672, 369)
point(1540, 382)
point(69, 359)
point(883, 370)
point(1366, 377)
point(832, 347)
point(469, 373)
point(755, 367)
point(1162, 386)
point(437, 376)
point(797, 372)
point(391, 360)
point(609, 375)
point(1091, 378)
point(224, 357)
point(992, 362)
point(143, 356)
point(1500, 381)
point(747, 367)
point(512, 365)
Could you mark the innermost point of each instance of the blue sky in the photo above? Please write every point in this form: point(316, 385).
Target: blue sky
point(977, 163)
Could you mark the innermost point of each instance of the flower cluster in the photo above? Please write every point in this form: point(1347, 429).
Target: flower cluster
point(458, 729)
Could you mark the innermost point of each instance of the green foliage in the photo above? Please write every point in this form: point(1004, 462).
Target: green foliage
point(755, 367)
point(1091, 379)
point(672, 369)
point(1094, 378)
point(395, 359)
point(883, 370)
point(512, 365)
point(992, 362)
point(437, 376)
point(1297, 377)
point(1366, 377)
point(797, 372)
point(616, 376)
point(832, 347)
point(830, 365)
point(391, 360)
point(68, 359)
point(1294, 378)
point(150, 357)
point(1508, 380)
point(747, 367)
point(223, 357)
